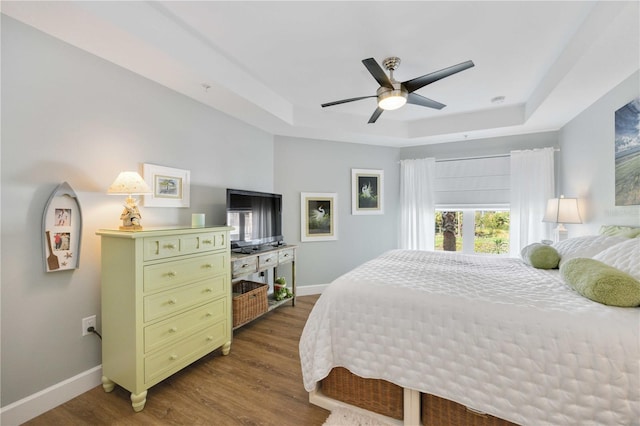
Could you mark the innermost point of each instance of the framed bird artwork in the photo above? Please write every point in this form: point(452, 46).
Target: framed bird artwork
point(318, 216)
point(367, 191)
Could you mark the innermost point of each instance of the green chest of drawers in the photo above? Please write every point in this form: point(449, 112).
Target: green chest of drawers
point(166, 302)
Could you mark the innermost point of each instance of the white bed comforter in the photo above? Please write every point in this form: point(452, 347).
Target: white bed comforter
point(491, 333)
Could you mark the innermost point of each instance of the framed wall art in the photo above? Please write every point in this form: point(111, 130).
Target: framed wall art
point(318, 216)
point(170, 186)
point(61, 230)
point(627, 154)
point(367, 191)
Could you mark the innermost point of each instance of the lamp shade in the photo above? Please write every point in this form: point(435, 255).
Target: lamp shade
point(129, 183)
point(562, 210)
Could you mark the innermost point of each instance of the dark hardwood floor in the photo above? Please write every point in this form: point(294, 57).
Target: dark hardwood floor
point(258, 383)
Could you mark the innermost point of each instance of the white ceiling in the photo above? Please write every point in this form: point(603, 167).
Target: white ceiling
point(271, 64)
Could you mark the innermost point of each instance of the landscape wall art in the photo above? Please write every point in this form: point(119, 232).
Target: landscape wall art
point(627, 154)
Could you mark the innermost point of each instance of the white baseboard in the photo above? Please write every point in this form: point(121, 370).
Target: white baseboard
point(40, 402)
point(308, 290)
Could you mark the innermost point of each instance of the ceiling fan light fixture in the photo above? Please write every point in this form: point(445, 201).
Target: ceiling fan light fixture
point(392, 99)
point(394, 94)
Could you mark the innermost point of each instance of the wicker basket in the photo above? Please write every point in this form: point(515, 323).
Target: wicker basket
point(386, 398)
point(375, 395)
point(249, 301)
point(440, 411)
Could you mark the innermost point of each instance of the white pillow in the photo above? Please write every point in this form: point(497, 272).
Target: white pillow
point(587, 246)
point(623, 256)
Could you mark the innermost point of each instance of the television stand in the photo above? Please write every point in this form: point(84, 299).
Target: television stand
point(263, 259)
point(257, 248)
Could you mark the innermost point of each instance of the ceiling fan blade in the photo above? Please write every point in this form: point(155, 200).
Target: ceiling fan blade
point(418, 82)
point(375, 115)
point(344, 101)
point(416, 99)
point(377, 72)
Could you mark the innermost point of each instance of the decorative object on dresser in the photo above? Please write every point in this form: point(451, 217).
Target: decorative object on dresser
point(367, 191)
point(62, 230)
point(244, 265)
point(166, 302)
point(562, 210)
point(197, 220)
point(129, 183)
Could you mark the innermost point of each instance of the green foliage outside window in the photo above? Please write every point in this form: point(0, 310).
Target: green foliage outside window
point(491, 231)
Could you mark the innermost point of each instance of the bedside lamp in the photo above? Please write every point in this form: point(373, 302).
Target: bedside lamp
point(562, 210)
point(129, 183)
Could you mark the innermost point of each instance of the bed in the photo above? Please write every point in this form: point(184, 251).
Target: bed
point(494, 335)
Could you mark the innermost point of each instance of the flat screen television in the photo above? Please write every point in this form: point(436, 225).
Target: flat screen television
point(256, 217)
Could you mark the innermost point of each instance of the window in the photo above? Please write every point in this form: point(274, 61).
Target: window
point(472, 205)
point(472, 230)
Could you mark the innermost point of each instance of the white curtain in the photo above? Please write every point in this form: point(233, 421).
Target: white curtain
point(532, 184)
point(417, 206)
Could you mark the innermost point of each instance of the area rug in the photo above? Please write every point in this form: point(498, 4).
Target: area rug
point(346, 417)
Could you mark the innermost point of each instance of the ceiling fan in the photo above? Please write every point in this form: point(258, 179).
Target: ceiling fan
point(393, 94)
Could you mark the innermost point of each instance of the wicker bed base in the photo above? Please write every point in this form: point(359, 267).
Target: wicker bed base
point(386, 398)
point(375, 395)
point(440, 411)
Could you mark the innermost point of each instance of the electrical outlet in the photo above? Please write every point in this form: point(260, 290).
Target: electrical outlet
point(88, 322)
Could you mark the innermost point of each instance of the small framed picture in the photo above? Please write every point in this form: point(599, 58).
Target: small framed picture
point(318, 216)
point(170, 186)
point(367, 191)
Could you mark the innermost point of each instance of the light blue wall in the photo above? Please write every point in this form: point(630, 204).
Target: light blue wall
point(306, 165)
point(587, 144)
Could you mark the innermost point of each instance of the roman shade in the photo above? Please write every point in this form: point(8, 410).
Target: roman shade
point(472, 182)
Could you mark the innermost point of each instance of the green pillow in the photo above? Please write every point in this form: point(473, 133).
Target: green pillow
point(601, 283)
point(622, 231)
point(541, 256)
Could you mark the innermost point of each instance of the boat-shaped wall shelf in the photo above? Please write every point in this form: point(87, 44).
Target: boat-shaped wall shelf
point(62, 230)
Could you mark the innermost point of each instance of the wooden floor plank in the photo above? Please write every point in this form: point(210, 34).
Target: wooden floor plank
point(258, 383)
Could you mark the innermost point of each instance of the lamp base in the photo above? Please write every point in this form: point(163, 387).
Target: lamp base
point(131, 228)
point(130, 216)
point(560, 233)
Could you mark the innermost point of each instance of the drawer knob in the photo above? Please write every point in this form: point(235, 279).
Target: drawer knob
point(245, 265)
point(268, 260)
point(173, 357)
point(173, 329)
point(208, 265)
point(170, 246)
point(208, 290)
point(207, 242)
point(209, 338)
point(172, 274)
point(172, 301)
point(209, 314)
